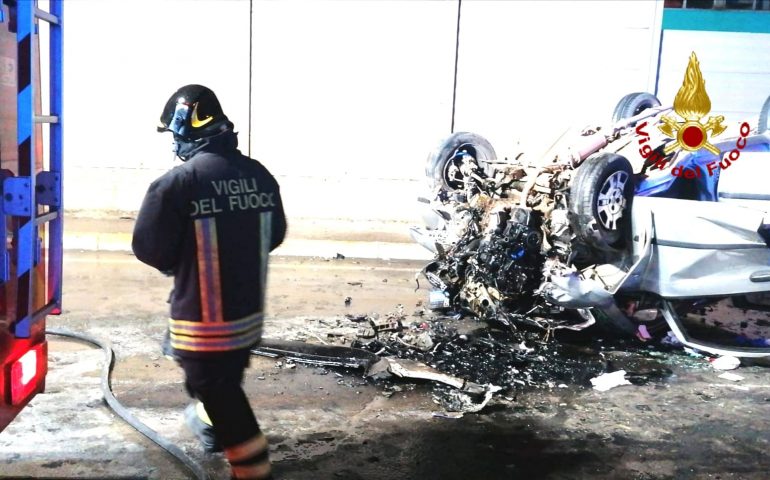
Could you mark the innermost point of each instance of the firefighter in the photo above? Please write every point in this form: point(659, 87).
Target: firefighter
point(211, 222)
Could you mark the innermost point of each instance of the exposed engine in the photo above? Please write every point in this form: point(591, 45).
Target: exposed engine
point(506, 233)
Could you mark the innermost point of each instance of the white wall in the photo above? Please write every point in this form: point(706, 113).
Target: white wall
point(348, 96)
point(122, 61)
point(531, 69)
point(735, 66)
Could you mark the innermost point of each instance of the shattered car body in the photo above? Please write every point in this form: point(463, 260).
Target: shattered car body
point(617, 228)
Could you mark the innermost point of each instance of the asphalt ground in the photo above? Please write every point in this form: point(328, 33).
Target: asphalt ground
point(681, 421)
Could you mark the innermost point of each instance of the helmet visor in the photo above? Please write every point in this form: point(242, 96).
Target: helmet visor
point(178, 122)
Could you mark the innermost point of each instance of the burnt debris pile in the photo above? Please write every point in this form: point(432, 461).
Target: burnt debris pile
point(484, 355)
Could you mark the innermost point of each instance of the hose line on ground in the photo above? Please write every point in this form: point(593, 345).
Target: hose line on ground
point(122, 412)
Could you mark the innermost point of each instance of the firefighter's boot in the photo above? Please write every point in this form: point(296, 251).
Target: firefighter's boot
point(198, 422)
point(165, 347)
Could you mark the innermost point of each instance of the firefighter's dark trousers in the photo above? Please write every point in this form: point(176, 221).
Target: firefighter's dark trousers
point(216, 382)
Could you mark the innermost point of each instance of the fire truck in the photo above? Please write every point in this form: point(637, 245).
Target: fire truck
point(31, 192)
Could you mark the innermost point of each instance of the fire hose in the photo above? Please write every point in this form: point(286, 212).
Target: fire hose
point(122, 411)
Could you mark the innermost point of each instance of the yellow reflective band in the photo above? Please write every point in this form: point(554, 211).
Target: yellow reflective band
point(223, 329)
point(202, 414)
point(216, 344)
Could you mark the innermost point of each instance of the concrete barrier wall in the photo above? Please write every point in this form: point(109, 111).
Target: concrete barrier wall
point(348, 97)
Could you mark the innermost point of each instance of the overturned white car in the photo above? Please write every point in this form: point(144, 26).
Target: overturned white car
point(636, 226)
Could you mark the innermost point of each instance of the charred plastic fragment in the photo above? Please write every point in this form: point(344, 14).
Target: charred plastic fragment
point(313, 354)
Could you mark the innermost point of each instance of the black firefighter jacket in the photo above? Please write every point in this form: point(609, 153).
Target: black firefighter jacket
point(211, 222)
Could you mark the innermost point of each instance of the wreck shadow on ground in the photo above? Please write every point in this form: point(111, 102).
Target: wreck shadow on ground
point(497, 447)
point(443, 449)
point(446, 451)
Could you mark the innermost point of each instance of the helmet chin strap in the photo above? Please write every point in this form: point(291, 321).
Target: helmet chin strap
point(185, 150)
point(175, 149)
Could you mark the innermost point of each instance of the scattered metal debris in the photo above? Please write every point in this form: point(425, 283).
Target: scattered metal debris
point(487, 356)
point(726, 362)
point(420, 341)
point(731, 377)
point(463, 402)
point(406, 368)
point(438, 300)
point(607, 381)
point(463, 397)
point(380, 325)
point(468, 361)
point(448, 414)
point(476, 364)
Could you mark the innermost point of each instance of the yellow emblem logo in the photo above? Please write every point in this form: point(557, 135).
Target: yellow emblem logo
point(692, 103)
point(195, 121)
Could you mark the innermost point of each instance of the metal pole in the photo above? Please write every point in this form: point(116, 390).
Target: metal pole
point(251, 55)
point(457, 55)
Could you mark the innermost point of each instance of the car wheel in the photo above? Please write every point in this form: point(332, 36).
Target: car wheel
point(634, 104)
point(764, 117)
point(600, 200)
point(442, 168)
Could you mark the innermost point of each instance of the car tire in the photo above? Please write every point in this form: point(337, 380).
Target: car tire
point(634, 104)
point(440, 160)
point(614, 322)
point(600, 201)
point(764, 117)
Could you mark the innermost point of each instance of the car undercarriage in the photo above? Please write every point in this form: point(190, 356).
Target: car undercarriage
point(554, 242)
